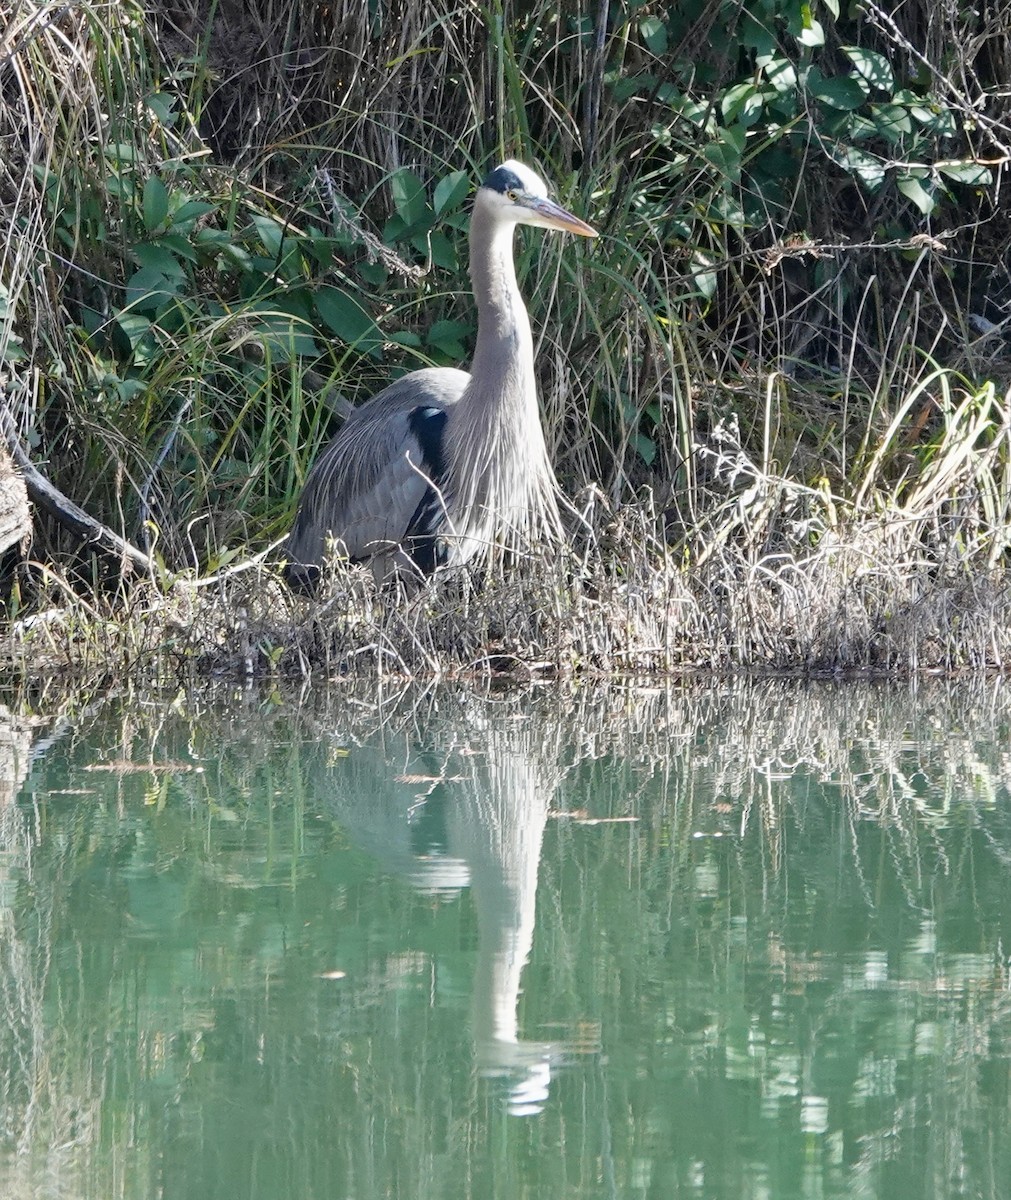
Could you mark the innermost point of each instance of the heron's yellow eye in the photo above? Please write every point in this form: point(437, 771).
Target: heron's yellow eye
point(512, 194)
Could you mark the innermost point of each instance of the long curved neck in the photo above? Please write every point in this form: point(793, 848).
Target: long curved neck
point(502, 374)
point(499, 476)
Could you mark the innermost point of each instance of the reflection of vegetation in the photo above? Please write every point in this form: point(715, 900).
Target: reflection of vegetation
point(786, 976)
point(822, 948)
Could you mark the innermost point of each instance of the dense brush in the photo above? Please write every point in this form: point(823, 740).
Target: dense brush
point(776, 387)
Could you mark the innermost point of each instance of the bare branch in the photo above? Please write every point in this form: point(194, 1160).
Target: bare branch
point(51, 500)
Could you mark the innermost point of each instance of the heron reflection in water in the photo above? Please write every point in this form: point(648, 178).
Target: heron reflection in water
point(485, 828)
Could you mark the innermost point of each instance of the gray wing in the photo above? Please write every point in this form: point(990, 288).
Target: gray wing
point(367, 484)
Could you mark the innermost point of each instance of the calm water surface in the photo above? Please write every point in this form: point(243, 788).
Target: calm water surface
point(726, 942)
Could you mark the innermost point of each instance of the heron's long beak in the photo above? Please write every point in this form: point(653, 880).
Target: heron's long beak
point(556, 217)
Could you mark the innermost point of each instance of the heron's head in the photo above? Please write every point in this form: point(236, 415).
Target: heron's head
point(518, 195)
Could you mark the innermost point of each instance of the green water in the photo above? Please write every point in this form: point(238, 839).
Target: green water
point(720, 942)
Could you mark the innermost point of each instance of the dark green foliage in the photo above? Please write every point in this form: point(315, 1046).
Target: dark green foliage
point(249, 217)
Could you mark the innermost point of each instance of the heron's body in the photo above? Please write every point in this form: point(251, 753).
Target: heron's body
point(442, 464)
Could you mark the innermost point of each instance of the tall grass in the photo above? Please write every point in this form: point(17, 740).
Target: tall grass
point(769, 397)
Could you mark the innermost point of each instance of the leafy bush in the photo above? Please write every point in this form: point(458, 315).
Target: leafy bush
point(239, 225)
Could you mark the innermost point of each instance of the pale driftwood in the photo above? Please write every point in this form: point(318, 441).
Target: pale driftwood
point(51, 500)
point(15, 518)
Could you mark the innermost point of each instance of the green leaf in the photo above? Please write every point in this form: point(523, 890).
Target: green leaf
point(289, 266)
point(321, 249)
point(188, 213)
point(404, 337)
point(92, 322)
point(872, 66)
point(705, 278)
point(447, 336)
point(734, 137)
point(205, 238)
point(974, 174)
point(159, 258)
point(346, 317)
point(422, 242)
point(940, 121)
point(394, 229)
point(743, 103)
point(442, 251)
point(129, 389)
point(372, 274)
point(914, 190)
point(120, 153)
point(865, 167)
point(409, 198)
point(892, 121)
point(162, 105)
point(645, 447)
point(271, 234)
point(135, 334)
point(123, 187)
point(726, 209)
point(150, 289)
point(236, 256)
point(725, 153)
point(451, 191)
point(155, 203)
point(860, 128)
point(654, 33)
point(812, 34)
point(781, 74)
point(181, 247)
point(624, 87)
point(296, 301)
point(699, 114)
point(281, 331)
point(757, 34)
point(841, 91)
point(133, 325)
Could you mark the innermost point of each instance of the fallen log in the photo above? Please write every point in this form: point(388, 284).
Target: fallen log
point(50, 499)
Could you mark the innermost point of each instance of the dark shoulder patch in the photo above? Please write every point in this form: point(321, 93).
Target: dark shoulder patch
point(421, 540)
point(503, 180)
point(428, 424)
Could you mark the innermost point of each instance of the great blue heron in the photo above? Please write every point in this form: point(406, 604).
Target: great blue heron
point(435, 467)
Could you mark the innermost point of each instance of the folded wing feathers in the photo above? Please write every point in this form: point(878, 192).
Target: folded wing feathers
point(366, 486)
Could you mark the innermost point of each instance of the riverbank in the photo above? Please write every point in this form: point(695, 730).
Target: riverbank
point(781, 579)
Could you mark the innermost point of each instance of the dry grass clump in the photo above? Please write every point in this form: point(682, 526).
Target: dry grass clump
point(781, 578)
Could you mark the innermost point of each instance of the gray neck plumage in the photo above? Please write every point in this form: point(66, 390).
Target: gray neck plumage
point(500, 481)
point(503, 369)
